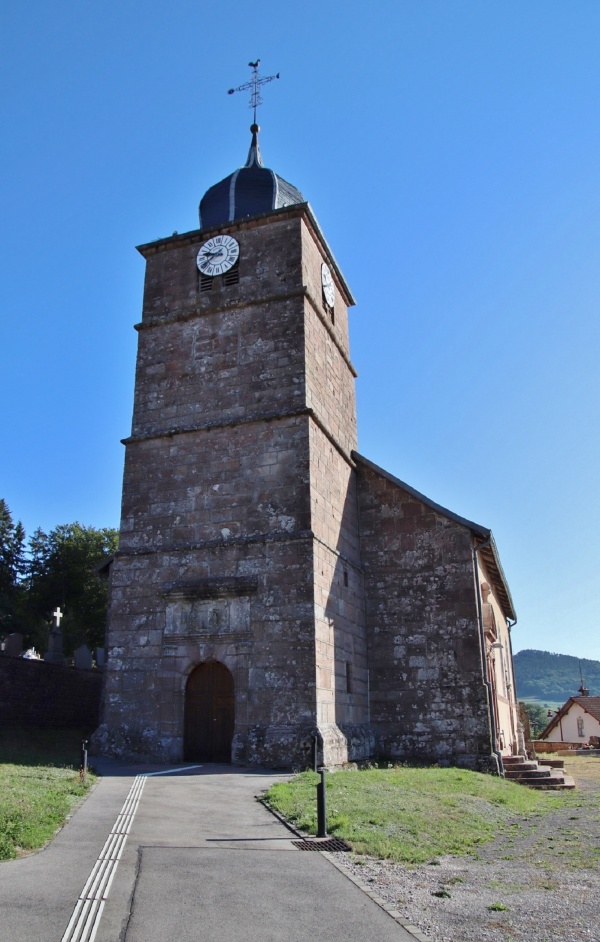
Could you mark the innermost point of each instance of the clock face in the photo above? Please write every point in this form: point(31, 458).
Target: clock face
point(218, 255)
point(328, 285)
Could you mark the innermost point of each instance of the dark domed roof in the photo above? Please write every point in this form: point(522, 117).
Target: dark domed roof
point(249, 191)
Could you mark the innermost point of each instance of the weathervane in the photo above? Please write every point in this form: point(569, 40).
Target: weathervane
point(254, 85)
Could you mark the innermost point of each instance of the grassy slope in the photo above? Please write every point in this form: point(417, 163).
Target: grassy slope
point(39, 785)
point(410, 814)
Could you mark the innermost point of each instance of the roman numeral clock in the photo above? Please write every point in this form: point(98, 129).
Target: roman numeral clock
point(218, 255)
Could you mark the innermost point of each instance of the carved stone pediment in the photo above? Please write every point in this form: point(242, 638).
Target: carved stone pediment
point(207, 618)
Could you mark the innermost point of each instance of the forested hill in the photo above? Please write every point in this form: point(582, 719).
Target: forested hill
point(547, 676)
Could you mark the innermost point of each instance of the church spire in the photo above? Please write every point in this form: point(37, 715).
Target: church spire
point(254, 155)
point(253, 189)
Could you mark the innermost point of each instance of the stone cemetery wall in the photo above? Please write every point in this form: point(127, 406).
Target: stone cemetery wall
point(36, 695)
point(541, 745)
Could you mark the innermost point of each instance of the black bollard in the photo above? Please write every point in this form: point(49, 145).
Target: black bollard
point(321, 807)
point(83, 766)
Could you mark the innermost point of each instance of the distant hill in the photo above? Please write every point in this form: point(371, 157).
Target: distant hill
point(547, 676)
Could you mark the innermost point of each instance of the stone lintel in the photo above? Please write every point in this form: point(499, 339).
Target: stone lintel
point(240, 638)
point(212, 588)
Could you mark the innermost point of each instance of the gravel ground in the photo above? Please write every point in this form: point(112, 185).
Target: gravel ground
point(537, 881)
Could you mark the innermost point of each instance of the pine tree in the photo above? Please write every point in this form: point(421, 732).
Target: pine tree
point(62, 571)
point(12, 542)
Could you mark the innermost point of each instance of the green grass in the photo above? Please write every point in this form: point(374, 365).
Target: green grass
point(39, 786)
point(407, 814)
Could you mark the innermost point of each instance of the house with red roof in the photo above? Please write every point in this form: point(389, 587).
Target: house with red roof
point(576, 721)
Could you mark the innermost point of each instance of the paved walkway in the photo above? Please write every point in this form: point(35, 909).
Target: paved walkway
point(155, 854)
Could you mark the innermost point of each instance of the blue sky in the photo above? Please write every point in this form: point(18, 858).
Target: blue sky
point(449, 149)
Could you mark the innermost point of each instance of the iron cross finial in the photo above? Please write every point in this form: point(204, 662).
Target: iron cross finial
point(254, 85)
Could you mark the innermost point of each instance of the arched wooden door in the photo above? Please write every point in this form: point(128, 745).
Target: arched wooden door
point(209, 713)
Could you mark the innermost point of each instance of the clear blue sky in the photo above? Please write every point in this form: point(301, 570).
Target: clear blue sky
point(450, 153)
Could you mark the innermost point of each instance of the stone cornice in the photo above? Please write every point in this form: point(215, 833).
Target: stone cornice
point(228, 586)
point(167, 319)
point(216, 424)
point(192, 547)
point(298, 210)
point(247, 420)
point(278, 296)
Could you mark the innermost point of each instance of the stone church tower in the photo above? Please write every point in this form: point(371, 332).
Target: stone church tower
point(237, 625)
point(273, 590)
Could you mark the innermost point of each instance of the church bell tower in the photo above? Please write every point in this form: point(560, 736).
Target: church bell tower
point(237, 615)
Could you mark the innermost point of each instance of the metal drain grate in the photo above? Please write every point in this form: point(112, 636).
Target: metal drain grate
point(322, 843)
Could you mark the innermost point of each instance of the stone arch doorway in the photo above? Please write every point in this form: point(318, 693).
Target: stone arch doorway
point(209, 713)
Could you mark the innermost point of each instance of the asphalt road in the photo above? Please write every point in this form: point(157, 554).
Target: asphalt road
point(186, 855)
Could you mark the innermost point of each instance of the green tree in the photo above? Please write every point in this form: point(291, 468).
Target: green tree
point(62, 571)
point(538, 718)
point(12, 543)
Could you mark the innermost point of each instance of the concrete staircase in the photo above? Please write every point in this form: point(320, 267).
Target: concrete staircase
point(534, 774)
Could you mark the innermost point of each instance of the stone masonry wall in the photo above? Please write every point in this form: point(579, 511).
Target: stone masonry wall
point(38, 695)
point(270, 264)
point(428, 700)
point(340, 636)
point(218, 504)
point(216, 555)
point(259, 624)
point(340, 631)
point(220, 367)
point(216, 484)
point(330, 390)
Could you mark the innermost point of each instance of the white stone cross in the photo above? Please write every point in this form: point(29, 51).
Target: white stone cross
point(57, 616)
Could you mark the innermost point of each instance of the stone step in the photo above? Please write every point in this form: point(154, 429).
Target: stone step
point(535, 772)
point(510, 765)
point(554, 783)
point(546, 774)
point(555, 780)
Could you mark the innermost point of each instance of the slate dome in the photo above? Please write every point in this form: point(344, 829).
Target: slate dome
point(249, 191)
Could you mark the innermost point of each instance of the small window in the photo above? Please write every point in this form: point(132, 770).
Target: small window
point(206, 283)
point(348, 677)
point(580, 730)
point(345, 577)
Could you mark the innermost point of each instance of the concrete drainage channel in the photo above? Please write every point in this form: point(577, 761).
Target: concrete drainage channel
point(332, 844)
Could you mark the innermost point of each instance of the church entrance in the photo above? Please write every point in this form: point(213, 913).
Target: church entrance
point(209, 713)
